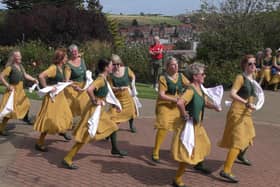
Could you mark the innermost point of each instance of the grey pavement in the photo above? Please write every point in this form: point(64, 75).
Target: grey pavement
point(21, 165)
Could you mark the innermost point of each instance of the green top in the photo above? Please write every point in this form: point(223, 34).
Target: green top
point(267, 62)
point(195, 106)
point(101, 91)
point(59, 77)
point(121, 81)
point(78, 74)
point(247, 89)
point(16, 75)
point(174, 88)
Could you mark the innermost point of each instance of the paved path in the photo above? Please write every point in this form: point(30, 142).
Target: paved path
point(21, 165)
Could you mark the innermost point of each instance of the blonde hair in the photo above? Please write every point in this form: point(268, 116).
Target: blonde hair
point(116, 58)
point(169, 60)
point(195, 69)
point(11, 57)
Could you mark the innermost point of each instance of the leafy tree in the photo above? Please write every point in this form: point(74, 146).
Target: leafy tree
point(135, 23)
point(54, 25)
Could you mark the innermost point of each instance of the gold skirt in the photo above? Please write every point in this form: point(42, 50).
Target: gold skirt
point(167, 115)
point(201, 149)
point(128, 107)
point(239, 131)
point(76, 100)
point(105, 127)
point(21, 102)
point(54, 117)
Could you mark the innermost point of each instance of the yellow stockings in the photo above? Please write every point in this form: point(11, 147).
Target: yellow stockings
point(161, 134)
point(4, 124)
point(69, 157)
point(231, 156)
point(179, 174)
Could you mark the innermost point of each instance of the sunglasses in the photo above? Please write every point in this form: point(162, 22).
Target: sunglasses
point(251, 63)
point(203, 74)
point(116, 64)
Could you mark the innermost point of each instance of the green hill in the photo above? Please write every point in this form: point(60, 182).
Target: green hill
point(126, 20)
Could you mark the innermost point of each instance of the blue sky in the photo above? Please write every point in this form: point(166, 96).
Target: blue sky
point(166, 7)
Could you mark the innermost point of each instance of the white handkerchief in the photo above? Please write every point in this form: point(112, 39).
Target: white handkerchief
point(32, 88)
point(59, 87)
point(111, 98)
point(215, 94)
point(133, 88)
point(259, 94)
point(187, 136)
point(94, 121)
point(89, 79)
point(9, 107)
point(136, 101)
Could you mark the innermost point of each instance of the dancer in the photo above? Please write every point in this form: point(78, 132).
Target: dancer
point(120, 80)
point(12, 77)
point(239, 130)
point(97, 92)
point(191, 105)
point(55, 115)
point(171, 86)
point(75, 70)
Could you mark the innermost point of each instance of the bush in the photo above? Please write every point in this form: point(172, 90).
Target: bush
point(36, 56)
point(93, 51)
point(222, 74)
point(136, 56)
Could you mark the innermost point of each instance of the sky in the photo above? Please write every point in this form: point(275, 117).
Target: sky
point(165, 7)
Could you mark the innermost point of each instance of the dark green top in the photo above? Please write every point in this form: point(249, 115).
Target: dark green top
point(174, 88)
point(247, 89)
point(267, 62)
point(121, 81)
point(195, 106)
point(16, 75)
point(59, 77)
point(102, 91)
point(78, 74)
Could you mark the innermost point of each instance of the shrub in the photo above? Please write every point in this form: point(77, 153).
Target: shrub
point(136, 56)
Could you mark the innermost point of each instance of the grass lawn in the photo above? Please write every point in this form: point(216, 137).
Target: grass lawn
point(144, 91)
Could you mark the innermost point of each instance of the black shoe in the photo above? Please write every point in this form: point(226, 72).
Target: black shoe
point(133, 129)
point(4, 133)
point(231, 178)
point(41, 148)
point(119, 152)
point(156, 160)
point(69, 166)
point(244, 161)
point(66, 136)
point(27, 120)
point(174, 184)
point(200, 167)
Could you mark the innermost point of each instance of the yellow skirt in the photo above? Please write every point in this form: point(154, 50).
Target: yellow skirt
point(201, 149)
point(167, 115)
point(239, 131)
point(266, 74)
point(128, 107)
point(54, 117)
point(21, 102)
point(105, 127)
point(275, 79)
point(76, 100)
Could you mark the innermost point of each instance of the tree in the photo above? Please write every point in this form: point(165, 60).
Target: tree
point(28, 4)
point(94, 5)
point(134, 23)
point(54, 25)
